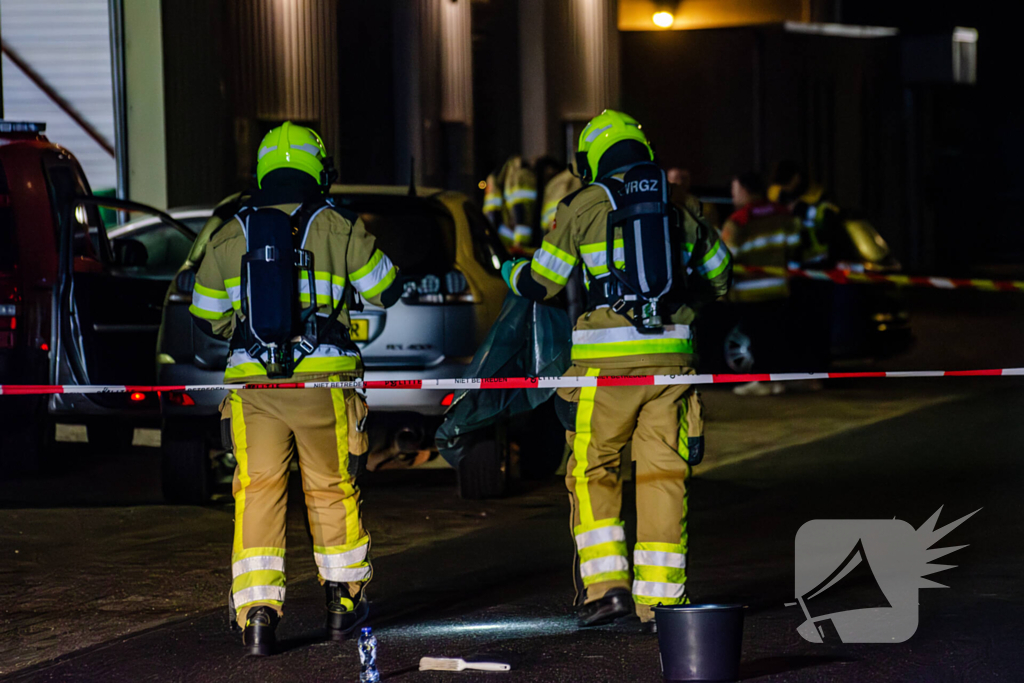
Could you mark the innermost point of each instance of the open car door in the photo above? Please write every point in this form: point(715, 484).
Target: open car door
point(107, 306)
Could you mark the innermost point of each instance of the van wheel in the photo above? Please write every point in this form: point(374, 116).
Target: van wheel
point(541, 439)
point(185, 464)
point(483, 471)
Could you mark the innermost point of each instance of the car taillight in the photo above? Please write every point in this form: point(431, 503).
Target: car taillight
point(433, 290)
point(138, 396)
point(447, 400)
point(180, 398)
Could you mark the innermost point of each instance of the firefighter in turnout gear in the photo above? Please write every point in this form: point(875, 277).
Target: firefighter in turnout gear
point(765, 234)
point(557, 189)
point(291, 259)
point(510, 203)
point(820, 219)
point(649, 265)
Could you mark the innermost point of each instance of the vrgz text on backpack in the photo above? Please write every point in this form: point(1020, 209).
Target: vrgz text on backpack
point(643, 226)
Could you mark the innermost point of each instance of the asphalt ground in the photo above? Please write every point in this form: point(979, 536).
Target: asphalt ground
point(135, 592)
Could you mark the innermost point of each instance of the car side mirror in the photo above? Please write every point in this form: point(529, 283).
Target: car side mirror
point(129, 253)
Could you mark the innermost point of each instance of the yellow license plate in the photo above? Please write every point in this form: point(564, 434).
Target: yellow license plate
point(360, 329)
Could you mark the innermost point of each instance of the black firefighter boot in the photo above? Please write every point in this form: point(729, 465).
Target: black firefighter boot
point(615, 604)
point(258, 635)
point(344, 612)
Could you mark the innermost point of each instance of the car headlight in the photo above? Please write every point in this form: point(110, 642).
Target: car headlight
point(455, 282)
point(429, 284)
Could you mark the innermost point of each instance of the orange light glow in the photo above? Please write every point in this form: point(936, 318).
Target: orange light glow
point(138, 396)
point(663, 19)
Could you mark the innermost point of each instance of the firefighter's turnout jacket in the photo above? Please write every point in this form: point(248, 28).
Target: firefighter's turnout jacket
point(557, 189)
point(763, 234)
point(664, 423)
point(324, 426)
point(510, 203)
point(344, 253)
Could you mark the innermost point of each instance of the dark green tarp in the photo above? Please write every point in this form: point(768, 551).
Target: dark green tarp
point(527, 340)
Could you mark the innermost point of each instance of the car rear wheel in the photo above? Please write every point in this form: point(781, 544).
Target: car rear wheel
point(483, 471)
point(186, 467)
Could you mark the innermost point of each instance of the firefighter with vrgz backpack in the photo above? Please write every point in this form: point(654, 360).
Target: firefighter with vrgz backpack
point(648, 264)
point(276, 280)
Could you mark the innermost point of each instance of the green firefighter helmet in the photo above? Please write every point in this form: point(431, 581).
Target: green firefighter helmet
point(604, 131)
point(291, 146)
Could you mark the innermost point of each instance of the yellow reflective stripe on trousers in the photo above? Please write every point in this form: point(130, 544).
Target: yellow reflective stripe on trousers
point(345, 484)
point(242, 458)
point(580, 446)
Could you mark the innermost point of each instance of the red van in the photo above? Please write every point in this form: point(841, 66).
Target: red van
point(75, 307)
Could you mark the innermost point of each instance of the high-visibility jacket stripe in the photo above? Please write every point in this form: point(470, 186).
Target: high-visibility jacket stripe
point(520, 196)
point(635, 348)
point(376, 276)
point(763, 283)
point(715, 262)
point(627, 334)
point(325, 358)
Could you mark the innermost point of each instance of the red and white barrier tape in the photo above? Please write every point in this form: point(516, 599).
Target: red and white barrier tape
point(843, 276)
point(506, 382)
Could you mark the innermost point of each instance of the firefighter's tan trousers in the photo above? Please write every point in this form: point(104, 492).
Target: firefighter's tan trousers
point(665, 426)
point(267, 428)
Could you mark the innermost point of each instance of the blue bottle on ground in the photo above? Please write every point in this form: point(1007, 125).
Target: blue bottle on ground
point(368, 657)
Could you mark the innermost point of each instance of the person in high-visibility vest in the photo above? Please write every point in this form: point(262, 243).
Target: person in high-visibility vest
point(762, 233)
point(322, 425)
point(819, 218)
point(664, 423)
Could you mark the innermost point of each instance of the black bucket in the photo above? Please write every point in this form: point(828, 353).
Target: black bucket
point(700, 642)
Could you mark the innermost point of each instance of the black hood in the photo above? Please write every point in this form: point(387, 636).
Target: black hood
point(286, 186)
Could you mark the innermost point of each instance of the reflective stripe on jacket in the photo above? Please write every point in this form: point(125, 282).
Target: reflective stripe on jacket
point(762, 234)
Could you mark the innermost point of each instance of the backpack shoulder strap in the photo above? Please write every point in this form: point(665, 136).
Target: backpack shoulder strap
point(303, 216)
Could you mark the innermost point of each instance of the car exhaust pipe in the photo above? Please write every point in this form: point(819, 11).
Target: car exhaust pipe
point(409, 438)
